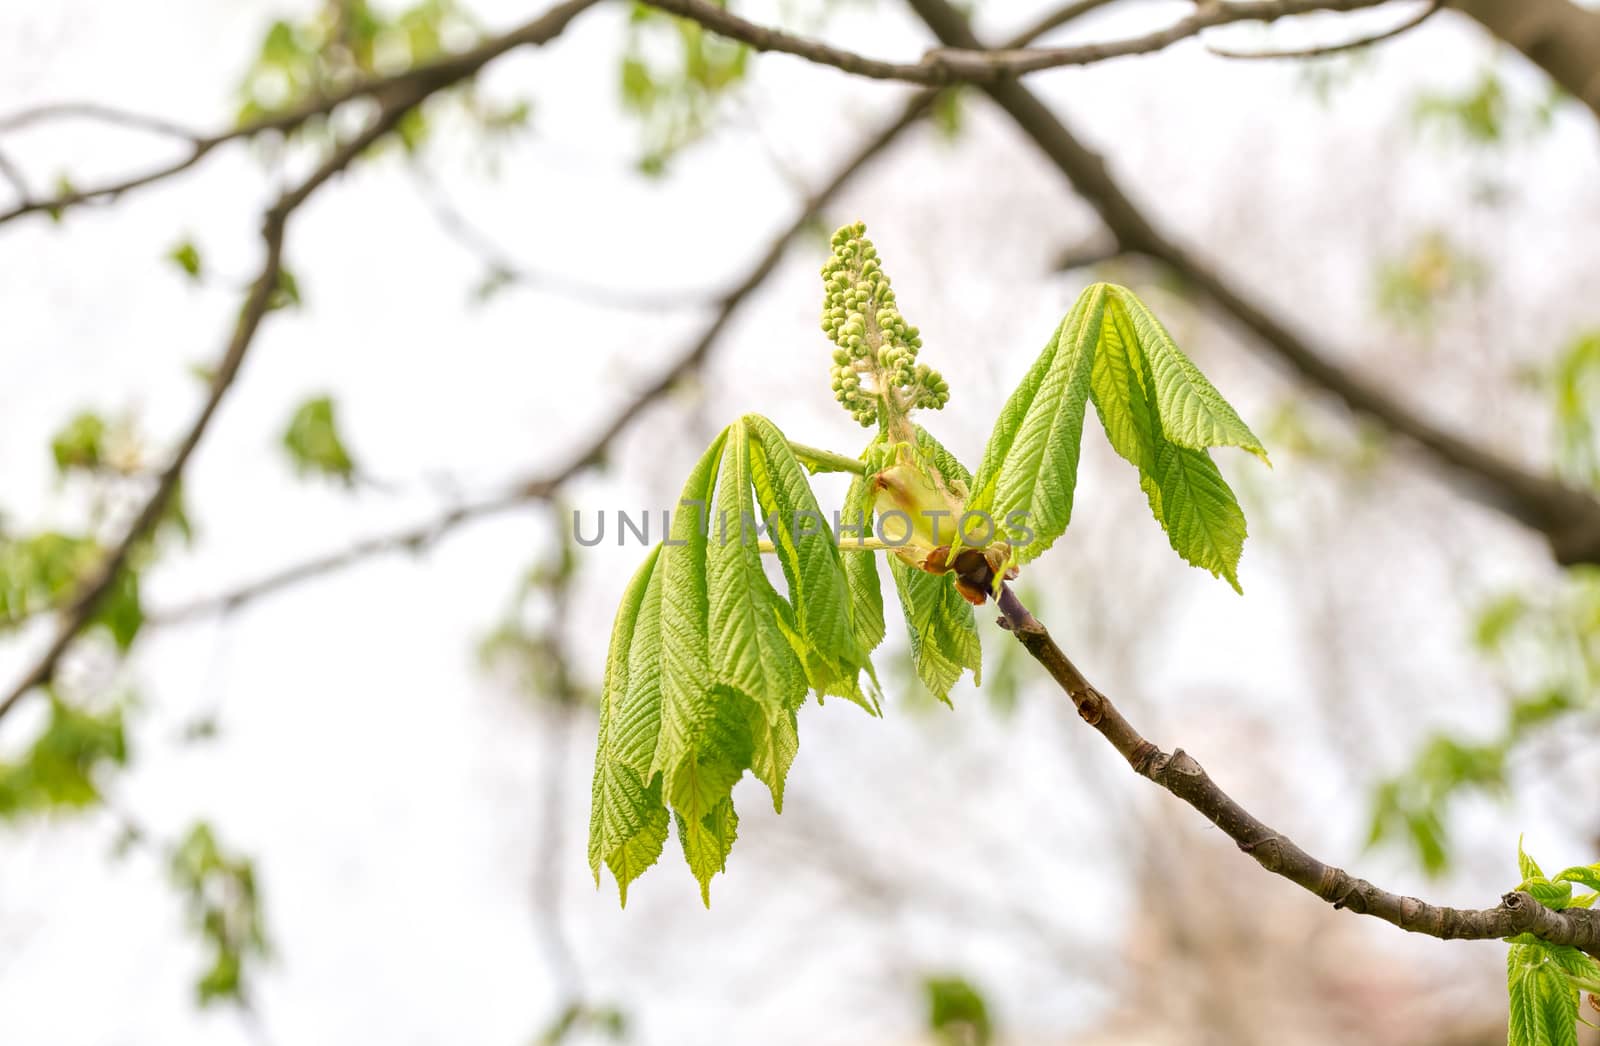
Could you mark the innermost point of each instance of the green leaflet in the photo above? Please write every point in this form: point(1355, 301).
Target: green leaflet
point(707, 842)
point(861, 566)
point(1030, 465)
point(942, 625)
point(1193, 413)
point(1526, 865)
point(943, 628)
point(686, 677)
point(1583, 874)
point(749, 651)
point(627, 821)
point(709, 663)
point(1159, 413)
point(819, 591)
point(1544, 1004)
point(773, 746)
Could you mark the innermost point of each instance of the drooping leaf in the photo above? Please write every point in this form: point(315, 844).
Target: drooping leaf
point(627, 819)
point(819, 589)
point(689, 761)
point(707, 842)
point(942, 626)
point(861, 566)
point(749, 651)
point(1193, 413)
point(1197, 507)
point(773, 746)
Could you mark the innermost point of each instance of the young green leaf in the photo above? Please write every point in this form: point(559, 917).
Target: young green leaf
point(861, 566)
point(749, 651)
point(1030, 465)
point(697, 772)
point(707, 842)
point(1159, 413)
point(1193, 413)
point(627, 819)
point(1584, 875)
point(944, 633)
point(1526, 865)
point(1544, 1004)
point(819, 589)
point(942, 625)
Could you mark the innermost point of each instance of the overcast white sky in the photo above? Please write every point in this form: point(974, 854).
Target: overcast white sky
point(390, 790)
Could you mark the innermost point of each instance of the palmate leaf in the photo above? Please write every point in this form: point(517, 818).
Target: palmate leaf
point(709, 663)
point(1159, 413)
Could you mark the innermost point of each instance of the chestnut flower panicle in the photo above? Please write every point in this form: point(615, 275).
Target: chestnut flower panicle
point(876, 376)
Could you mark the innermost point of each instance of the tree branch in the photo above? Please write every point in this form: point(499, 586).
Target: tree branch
point(971, 64)
point(80, 612)
point(503, 270)
point(1179, 773)
point(419, 81)
point(1427, 12)
point(1559, 37)
point(419, 537)
point(1568, 518)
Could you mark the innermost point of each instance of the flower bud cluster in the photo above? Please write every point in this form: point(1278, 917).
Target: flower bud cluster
point(860, 317)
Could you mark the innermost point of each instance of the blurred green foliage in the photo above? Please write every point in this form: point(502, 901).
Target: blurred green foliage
point(1413, 287)
point(186, 256)
point(313, 442)
point(526, 643)
point(81, 443)
point(1574, 386)
point(39, 571)
point(1486, 113)
point(673, 76)
point(1549, 650)
point(344, 42)
point(957, 1012)
point(223, 903)
point(602, 1021)
point(58, 770)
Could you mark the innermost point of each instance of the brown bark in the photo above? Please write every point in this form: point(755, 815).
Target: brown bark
point(1559, 37)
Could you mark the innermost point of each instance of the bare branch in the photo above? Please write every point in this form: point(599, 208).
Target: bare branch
point(1568, 518)
point(951, 65)
point(427, 78)
point(1560, 37)
point(1427, 12)
point(502, 268)
point(1180, 774)
point(101, 113)
point(13, 175)
point(78, 614)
